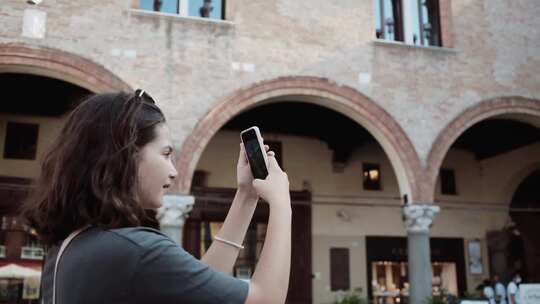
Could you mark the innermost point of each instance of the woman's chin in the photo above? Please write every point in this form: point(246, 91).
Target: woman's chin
point(152, 205)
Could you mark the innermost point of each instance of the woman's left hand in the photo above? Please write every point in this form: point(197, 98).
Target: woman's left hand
point(243, 172)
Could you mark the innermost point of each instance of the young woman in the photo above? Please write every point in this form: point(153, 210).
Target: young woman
point(113, 161)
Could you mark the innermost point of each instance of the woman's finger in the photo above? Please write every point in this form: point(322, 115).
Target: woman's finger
point(242, 155)
point(272, 163)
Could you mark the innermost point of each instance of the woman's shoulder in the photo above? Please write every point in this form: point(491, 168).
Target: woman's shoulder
point(141, 236)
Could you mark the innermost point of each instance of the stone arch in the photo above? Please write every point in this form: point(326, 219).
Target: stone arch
point(516, 179)
point(49, 62)
point(343, 99)
point(514, 107)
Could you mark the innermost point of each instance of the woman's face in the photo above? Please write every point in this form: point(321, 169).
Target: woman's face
point(156, 168)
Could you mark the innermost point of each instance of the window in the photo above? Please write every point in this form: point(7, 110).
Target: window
point(448, 181)
point(9, 290)
point(164, 6)
point(213, 9)
point(415, 22)
point(372, 176)
point(389, 20)
point(32, 249)
point(339, 269)
point(21, 140)
point(426, 23)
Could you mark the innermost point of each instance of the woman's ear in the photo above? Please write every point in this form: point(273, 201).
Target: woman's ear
point(137, 153)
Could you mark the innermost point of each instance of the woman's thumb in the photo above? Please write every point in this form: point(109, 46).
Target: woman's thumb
point(257, 183)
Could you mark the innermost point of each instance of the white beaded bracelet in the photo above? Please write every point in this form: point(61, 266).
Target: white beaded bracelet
point(217, 238)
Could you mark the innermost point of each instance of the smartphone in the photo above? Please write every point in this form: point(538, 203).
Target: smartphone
point(255, 152)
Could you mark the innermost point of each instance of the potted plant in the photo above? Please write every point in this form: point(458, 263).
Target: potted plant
point(443, 298)
point(350, 297)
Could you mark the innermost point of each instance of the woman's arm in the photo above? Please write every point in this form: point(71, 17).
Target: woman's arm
point(221, 256)
point(270, 281)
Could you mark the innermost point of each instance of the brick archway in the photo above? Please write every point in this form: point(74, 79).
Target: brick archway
point(513, 106)
point(320, 91)
point(49, 62)
point(509, 189)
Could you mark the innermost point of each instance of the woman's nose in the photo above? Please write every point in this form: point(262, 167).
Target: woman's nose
point(173, 173)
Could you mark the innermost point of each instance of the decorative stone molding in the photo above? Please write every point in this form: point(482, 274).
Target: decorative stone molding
point(419, 217)
point(173, 214)
point(175, 210)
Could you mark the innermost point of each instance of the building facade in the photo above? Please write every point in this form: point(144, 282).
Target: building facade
point(396, 121)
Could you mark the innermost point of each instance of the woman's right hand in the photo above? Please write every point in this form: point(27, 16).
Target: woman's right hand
point(275, 188)
point(270, 280)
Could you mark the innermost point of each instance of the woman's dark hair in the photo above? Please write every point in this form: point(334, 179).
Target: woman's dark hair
point(89, 175)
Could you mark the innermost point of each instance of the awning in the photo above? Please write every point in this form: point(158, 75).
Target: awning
point(13, 271)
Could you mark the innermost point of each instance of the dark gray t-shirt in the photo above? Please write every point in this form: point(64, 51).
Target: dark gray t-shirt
point(134, 265)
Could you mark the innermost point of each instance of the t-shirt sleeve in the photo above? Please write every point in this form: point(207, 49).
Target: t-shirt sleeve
point(168, 274)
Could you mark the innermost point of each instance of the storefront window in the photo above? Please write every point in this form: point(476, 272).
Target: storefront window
point(10, 290)
point(390, 281)
point(444, 278)
point(388, 268)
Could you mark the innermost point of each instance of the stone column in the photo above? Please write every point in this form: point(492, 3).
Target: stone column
point(418, 219)
point(173, 214)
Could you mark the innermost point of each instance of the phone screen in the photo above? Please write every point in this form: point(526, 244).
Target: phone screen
point(254, 154)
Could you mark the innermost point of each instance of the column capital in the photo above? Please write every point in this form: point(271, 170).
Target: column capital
point(175, 210)
point(419, 217)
